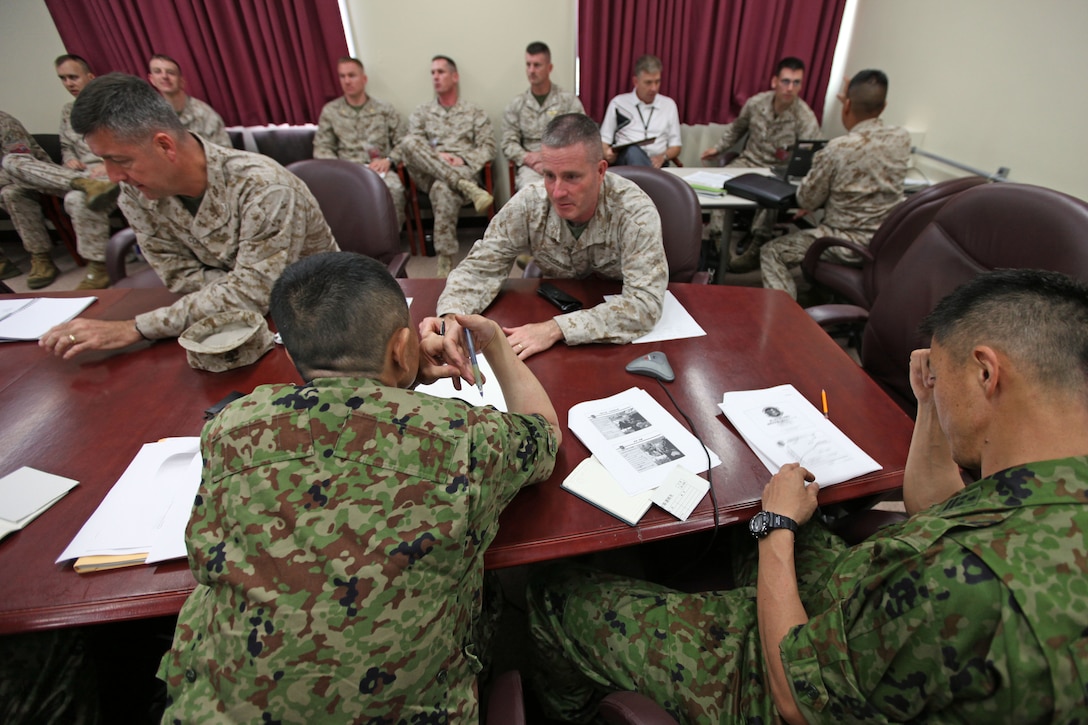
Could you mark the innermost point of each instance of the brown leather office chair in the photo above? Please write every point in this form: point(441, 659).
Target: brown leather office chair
point(417, 198)
point(681, 221)
point(991, 226)
point(286, 144)
point(859, 284)
point(358, 207)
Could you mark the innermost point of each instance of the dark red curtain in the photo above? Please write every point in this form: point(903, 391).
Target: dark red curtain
point(254, 61)
point(716, 53)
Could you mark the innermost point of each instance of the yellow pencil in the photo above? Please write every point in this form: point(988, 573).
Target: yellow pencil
point(823, 398)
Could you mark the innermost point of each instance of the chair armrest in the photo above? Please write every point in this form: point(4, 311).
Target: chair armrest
point(631, 708)
point(506, 703)
point(116, 249)
point(826, 315)
point(821, 245)
point(398, 265)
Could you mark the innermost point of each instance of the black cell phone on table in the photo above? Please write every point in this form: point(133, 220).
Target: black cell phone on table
point(559, 298)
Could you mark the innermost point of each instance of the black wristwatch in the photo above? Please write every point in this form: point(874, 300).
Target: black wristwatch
point(762, 523)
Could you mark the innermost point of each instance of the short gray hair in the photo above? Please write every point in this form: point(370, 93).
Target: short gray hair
point(574, 128)
point(648, 64)
point(126, 106)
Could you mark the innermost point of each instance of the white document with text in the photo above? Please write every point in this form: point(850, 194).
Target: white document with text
point(782, 426)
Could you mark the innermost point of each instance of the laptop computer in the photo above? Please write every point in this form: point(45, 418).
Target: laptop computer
point(800, 159)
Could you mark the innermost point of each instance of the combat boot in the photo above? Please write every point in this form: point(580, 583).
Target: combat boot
point(480, 199)
point(445, 265)
point(42, 271)
point(96, 277)
point(101, 194)
point(8, 268)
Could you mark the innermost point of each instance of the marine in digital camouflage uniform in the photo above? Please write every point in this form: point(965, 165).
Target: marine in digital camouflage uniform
point(774, 121)
point(620, 239)
point(528, 114)
point(35, 174)
point(254, 219)
point(20, 202)
point(339, 530)
point(359, 128)
point(447, 125)
point(164, 73)
point(971, 610)
point(857, 179)
point(222, 245)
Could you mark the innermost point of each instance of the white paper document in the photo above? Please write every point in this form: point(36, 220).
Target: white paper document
point(26, 493)
point(29, 319)
point(676, 322)
point(148, 508)
point(443, 388)
point(637, 440)
point(782, 426)
point(681, 492)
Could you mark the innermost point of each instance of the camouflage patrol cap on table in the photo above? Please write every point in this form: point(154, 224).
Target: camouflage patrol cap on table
point(226, 340)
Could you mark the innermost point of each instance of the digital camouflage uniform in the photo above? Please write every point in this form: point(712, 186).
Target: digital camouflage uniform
point(20, 202)
point(254, 220)
point(973, 611)
point(523, 124)
point(463, 130)
point(201, 119)
point(622, 241)
point(337, 541)
point(26, 175)
point(770, 136)
point(362, 134)
point(857, 179)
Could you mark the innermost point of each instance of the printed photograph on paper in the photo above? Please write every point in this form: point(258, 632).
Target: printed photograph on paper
point(617, 423)
point(650, 453)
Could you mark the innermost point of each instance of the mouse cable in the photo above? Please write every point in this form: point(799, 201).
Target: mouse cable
point(713, 495)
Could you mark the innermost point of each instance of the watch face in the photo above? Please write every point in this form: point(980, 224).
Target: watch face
point(758, 524)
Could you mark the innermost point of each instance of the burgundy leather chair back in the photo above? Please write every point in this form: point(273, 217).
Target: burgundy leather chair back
point(681, 217)
point(860, 285)
point(995, 226)
point(356, 204)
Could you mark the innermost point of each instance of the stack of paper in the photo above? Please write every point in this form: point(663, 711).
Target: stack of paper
point(143, 517)
point(782, 427)
point(26, 493)
point(706, 183)
point(641, 455)
point(30, 318)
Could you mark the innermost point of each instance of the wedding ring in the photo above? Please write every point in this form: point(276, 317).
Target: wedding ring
point(72, 338)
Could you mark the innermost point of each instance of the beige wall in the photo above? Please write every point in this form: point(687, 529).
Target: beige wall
point(487, 38)
point(29, 89)
point(990, 82)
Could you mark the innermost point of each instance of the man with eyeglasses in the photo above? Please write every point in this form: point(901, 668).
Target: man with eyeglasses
point(774, 120)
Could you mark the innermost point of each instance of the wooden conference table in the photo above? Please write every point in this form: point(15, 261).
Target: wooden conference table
point(86, 419)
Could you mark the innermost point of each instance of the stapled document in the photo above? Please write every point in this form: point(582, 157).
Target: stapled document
point(636, 440)
point(781, 426)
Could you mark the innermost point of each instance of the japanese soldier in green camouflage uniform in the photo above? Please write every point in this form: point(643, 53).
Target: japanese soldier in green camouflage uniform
point(973, 610)
point(339, 531)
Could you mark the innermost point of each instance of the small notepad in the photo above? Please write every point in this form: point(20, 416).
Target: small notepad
point(592, 483)
point(26, 493)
